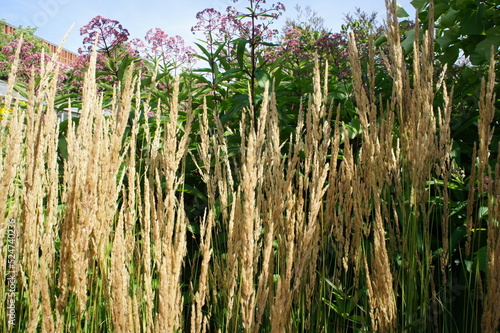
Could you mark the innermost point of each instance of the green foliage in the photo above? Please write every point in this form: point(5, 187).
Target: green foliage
point(467, 26)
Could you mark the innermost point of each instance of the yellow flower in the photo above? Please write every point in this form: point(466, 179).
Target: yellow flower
point(2, 111)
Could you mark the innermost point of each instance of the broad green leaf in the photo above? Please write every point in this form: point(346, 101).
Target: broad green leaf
point(62, 147)
point(457, 236)
point(203, 70)
point(450, 55)
point(261, 77)
point(380, 40)
point(481, 258)
point(440, 9)
point(194, 228)
point(200, 57)
point(449, 37)
point(419, 4)
point(482, 52)
point(400, 11)
point(482, 212)
point(448, 19)
point(232, 73)
point(240, 51)
point(407, 44)
point(472, 22)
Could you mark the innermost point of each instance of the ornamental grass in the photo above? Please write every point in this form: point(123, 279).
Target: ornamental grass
point(314, 233)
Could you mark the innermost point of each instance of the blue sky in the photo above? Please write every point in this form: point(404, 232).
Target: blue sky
point(176, 17)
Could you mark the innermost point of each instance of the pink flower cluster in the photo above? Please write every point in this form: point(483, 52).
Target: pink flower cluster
point(219, 28)
point(30, 59)
point(110, 34)
point(216, 26)
point(168, 50)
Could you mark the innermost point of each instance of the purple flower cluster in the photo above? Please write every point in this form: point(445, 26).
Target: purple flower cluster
point(110, 34)
point(301, 44)
point(250, 28)
point(168, 50)
point(223, 28)
point(30, 60)
point(215, 26)
point(275, 11)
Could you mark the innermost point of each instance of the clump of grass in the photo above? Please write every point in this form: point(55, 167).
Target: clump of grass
point(311, 234)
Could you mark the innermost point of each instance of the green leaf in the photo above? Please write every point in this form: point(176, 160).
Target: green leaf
point(407, 44)
point(204, 50)
point(240, 51)
point(481, 258)
point(380, 40)
point(194, 228)
point(200, 57)
point(262, 77)
point(232, 73)
point(419, 4)
point(448, 19)
point(400, 11)
point(457, 236)
point(203, 70)
point(482, 212)
point(62, 147)
point(237, 102)
point(269, 44)
point(440, 8)
point(450, 55)
point(193, 191)
point(472, 22)
point(482, 51)
point(449, 37)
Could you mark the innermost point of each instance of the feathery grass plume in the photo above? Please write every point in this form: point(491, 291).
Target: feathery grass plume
point(376, 161)
point(199, 321)
point(49, 229)
point(316, 167)
point(120, 299)
point(298, 230)
point(224, 273)
point(81, 195)
point(486, 114)
point(272, 207)
point(144, 203)
point(40, 197)
point(490, 321)
point(248, 232)
point(443, 170)
point(379, 279)
point(470, 204)
point(171, 220)
point(12, 170)
point(125, 315)
point(286, 235)
point(413, 103)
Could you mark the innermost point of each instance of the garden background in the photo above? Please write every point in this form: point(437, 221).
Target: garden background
point(300, 180)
